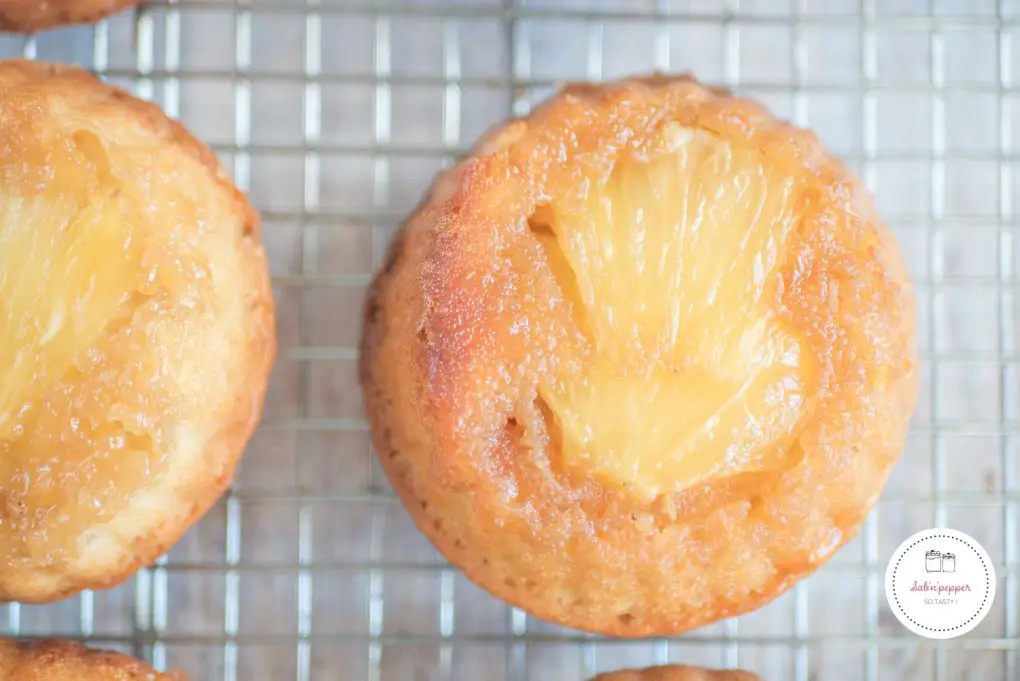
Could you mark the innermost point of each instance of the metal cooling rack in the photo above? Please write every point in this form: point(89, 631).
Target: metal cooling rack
point(335, 114)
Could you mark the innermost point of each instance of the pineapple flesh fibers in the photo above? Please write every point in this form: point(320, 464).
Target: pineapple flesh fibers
point(672, 265)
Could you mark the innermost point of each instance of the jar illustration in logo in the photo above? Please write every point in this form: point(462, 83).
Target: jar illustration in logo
point(948, 562)
point(933, 561)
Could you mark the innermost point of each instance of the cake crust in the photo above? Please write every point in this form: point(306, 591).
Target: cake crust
point(28, 16)
point(59, 660)
point(677, 672)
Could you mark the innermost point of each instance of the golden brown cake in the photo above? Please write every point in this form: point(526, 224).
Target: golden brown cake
point(136, 331)
point(642, 360)
point(56, 660)
point(677, 672)
point(25, 16)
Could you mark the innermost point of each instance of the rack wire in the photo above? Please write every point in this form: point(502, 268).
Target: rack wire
point(334, 115)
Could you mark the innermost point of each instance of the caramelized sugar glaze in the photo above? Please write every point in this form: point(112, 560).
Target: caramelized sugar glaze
point(136, 331)
point(643, 360)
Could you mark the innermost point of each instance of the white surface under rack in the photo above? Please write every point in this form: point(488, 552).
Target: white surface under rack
point(335, 114)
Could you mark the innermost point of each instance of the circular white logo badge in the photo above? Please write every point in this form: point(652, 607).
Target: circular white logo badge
point(940, 583)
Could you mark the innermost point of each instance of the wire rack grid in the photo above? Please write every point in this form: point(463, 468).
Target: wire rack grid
point(334, 115)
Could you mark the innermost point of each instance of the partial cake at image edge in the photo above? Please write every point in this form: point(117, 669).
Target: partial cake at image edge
point(138, 331)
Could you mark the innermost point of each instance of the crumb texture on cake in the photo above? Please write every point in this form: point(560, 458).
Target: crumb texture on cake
point(59, 660)
point(136, 331)
point(643, 359)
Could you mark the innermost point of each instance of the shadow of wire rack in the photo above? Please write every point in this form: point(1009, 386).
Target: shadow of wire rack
point(334, 114)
